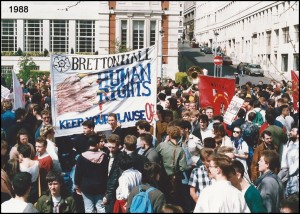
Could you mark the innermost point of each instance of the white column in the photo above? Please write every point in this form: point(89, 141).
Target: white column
point(72, 35)
point(20, 34)
point(46, 35)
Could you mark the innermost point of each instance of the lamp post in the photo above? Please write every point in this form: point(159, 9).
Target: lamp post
point(215, 66)
point(161, 52)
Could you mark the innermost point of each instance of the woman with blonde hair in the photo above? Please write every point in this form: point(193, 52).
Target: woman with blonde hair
point(47, 131)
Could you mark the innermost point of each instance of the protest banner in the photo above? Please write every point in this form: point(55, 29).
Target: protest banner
point(232, 110)
point(295, 88)
point(19, 99)
point(90, 87)
point(5, 92)
point(216, 92)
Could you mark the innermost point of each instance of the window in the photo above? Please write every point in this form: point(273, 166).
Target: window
point(85, 36)
point(296, 33)
point(124, 33)
point(285, 35)
point(33, 34)
point(180, 13)
point(138, 34)
point(152, 32)
point(35, 68)
point(8, 35)
point(59, 36)
point(6, 69)
point(296, 62)
point(284, 62)
point(277, 37)
point(268, 38)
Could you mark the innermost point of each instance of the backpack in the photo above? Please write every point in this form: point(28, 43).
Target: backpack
point(259, 120)
point(141, 202)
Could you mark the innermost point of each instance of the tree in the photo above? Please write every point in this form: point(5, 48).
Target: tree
point(26, 64)
point(19, 52)
point(119, 47)
point(46, 52)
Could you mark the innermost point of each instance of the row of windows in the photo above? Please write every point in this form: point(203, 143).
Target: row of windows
point(59, 35)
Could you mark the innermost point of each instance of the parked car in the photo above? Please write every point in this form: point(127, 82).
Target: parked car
point(208, 51)
point(254, 69)
point(227, 60)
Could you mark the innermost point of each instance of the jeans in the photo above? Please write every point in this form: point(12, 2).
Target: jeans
point(92, 201)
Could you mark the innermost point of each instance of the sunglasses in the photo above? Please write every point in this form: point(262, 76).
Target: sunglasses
point(236, 132)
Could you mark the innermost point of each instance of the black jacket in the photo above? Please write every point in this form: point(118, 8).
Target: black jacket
point(91, 172)
point(113, 179)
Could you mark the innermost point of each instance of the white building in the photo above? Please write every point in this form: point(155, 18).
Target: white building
point(181, 19)
point(189, 19)
point(263, 32)
point(87, 27)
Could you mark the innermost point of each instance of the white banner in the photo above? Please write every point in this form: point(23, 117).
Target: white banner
point(19, 99)
point(232, 110)
point(90, 87)
point(5, 92)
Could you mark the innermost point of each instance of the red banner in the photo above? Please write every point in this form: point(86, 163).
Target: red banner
point(295, 88)
point(216, 92)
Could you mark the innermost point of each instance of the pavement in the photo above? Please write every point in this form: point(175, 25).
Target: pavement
point(188, 56)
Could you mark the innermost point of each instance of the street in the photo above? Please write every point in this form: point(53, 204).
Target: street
point(188, 57)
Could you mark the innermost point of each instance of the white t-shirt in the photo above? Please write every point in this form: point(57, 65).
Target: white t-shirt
point(13, 206)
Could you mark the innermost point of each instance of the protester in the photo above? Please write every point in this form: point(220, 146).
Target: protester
point(221, 196)
point(32, 166)
point(56, 199)
point(149, 151)
point(45, 161)
point(114, 172)
point(290, 204)
point(91, 176)
point(22, 139)
point(269, 184)
point(150, 178)
point(18, 204)
point(129, 179)
point(251, 194)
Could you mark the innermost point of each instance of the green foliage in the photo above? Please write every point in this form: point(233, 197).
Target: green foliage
point(34, 53)
point(85, 53)
point(8, 80)
point(8, 53)
point(26, 64)
point(96, 53)
point(119, 47)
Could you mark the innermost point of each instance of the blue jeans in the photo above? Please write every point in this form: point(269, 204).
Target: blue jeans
point(92, 201)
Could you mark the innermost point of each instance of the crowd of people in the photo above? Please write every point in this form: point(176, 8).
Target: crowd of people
point(186, 160)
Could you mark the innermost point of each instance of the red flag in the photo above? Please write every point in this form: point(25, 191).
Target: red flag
point(216, 92)
point(295, 88)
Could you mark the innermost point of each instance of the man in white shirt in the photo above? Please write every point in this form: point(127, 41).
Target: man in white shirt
point(285, 117)
point(22, 186)
point(221, 196)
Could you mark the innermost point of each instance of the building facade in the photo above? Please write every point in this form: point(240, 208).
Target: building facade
point(88, 27)
point(189, 19)
point(263, 32)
